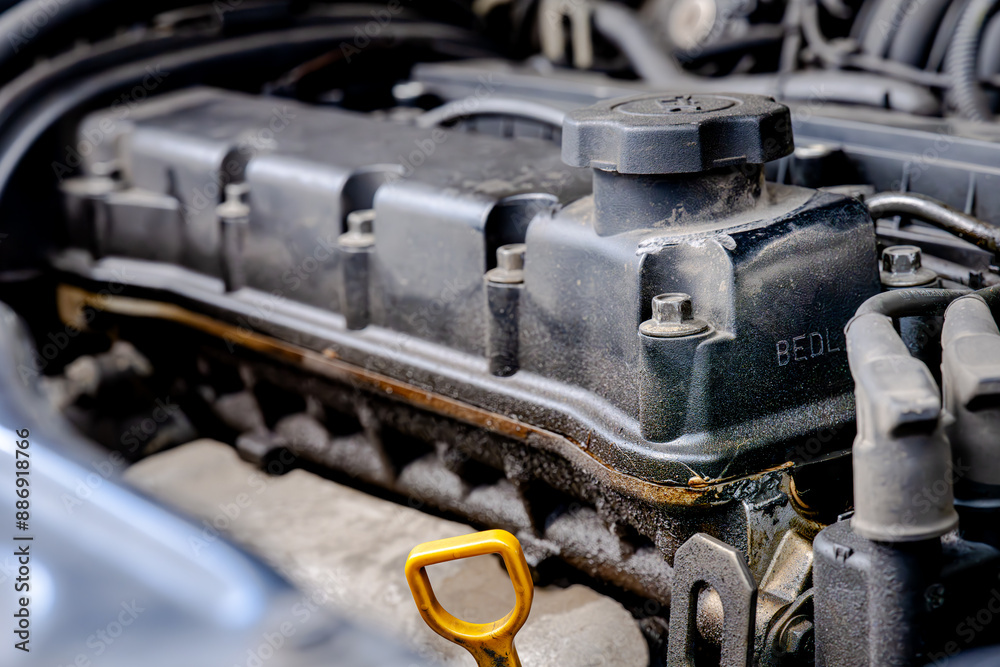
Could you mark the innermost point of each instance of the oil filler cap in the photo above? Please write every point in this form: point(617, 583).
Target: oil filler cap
point(675, 134)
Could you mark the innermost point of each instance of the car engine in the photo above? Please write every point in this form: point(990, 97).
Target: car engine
point(691, 304)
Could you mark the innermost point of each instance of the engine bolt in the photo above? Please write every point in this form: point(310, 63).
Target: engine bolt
point(901, 267)
point(798, 639)
point(510, 265)
point(672, 317)
point(233, 215)
point(360, 222)
point(360, 229)
point(234, 208)
point(901, 259)
point(511, 257)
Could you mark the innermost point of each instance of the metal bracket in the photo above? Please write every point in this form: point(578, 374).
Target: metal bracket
point(705, 561)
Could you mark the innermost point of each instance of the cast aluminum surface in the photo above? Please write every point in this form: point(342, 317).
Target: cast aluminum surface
point(584, 370)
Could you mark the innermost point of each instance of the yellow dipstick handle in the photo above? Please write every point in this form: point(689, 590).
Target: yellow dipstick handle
point(491, 644)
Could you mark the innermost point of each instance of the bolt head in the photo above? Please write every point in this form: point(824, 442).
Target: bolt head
point(237, 191)
point(234, 208)
point(813, 151)
point(672, 317)
point(901, 259)
point(798, 637)
point(671, 308)
point(90, 186)
point(360, 230)
point(361, 221)
point(511, 257)
point(673, 133)
point(510, 265)
point(110, 168)
point(901, 267)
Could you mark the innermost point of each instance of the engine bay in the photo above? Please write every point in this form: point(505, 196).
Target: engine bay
point(696, 299)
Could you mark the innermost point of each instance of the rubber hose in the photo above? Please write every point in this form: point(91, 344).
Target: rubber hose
point(989, 49)
point(840, 87)
point(880, 30)
point(30, 20)
point(623, 28)
point(910, 302)
point(935, 59)
point(912, 42)
point(991, 295)
point(29, 108)
point(962, 61)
